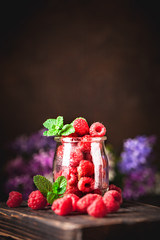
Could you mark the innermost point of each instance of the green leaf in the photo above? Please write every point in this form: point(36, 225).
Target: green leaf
point(59, 122)
point(51, 197)
point(45, 133)
point(43, 184)
point(67, 130)
point(62, 184)
point(49, 123)
point(55, 187)
point(52, 132)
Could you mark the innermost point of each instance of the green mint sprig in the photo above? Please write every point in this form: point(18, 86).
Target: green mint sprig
point(51, 191)
point(57, 128)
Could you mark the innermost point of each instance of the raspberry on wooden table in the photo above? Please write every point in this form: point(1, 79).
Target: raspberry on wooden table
point(112, 200)
point(14, 200)
point(74, 199)
point(84, 202)
point(36, 200)
point(97, 209)
point(62, 206)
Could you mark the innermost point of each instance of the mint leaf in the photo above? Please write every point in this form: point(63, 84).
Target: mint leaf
point(49, 123)
point(43, 184)
point(61, 182)
point(51, 197)
point(55, 187)
point(59, 122)
point(45, 133)
point(52, 132)
point(67, 130)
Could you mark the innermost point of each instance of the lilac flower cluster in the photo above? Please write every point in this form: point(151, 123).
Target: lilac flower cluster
point(136, 166)
point(33, 155)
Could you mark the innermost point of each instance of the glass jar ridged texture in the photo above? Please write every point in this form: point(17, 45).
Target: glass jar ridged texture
point(84, 163)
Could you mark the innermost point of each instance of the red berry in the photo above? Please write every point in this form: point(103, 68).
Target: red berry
point(88, 156)
point(70, 175)
point(74, 199)
point(81, 126)
point(114, 187)
point(36, 200)
point(86, 184)
point(14, 200)
point(97, 208)
point(84, 202)
point(112, 200)
point(60, 151)
point(85, 144)
point(97, 129)
point(75, 157)
point(97, 191)
point(62, 206)
point(85, 169)
point(74, 190)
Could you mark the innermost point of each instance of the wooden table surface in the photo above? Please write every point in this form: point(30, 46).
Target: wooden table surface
point(133, 221)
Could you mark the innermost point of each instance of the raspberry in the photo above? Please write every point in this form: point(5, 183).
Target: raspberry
point(84, 202)
point(85, 144)
point(112, 200)
point(14, 200)
point(85, 169)
point(97, 208)
point(114, 187)
point(81, 126)
point(88, 156)
point(74, 199)
point(60, 151)
point(86, 184)
point(62, 206)
point(75, 157)
point(97, 129)
point(36, 200)
point(74, 190)
point(97, 191)
point(71, 175)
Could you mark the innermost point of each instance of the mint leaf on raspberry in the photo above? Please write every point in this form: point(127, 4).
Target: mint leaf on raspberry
point(67, 130)
point(49, 123)
point(51, 197)
point(43, 184)
point(52, 132)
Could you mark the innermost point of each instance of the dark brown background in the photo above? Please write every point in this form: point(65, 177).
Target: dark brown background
point(96, 59)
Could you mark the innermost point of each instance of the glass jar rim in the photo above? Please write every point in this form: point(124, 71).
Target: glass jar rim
point(78, 139)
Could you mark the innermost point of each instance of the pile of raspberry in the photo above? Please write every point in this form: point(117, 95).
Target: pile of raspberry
point(80, 172)
point(93, 204)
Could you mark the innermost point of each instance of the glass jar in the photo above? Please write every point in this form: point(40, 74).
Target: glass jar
point(84, 163)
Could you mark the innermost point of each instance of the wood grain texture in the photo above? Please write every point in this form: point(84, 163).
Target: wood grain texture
point(133, 220)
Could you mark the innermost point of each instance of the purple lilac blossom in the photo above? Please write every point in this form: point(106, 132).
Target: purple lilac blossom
point(42, 162)
point(136, 153)
point(138, 183)
point(33, 155)
point(35, 142)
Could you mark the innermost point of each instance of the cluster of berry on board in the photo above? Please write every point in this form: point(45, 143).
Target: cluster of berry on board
point(93, 204)
point(80, 171)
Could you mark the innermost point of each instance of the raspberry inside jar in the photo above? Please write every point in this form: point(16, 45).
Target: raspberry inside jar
point(84, 163)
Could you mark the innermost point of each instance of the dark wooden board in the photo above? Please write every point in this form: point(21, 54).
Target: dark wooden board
point(132, 221)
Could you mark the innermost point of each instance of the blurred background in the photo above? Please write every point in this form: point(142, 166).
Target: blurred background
point(96, 59)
